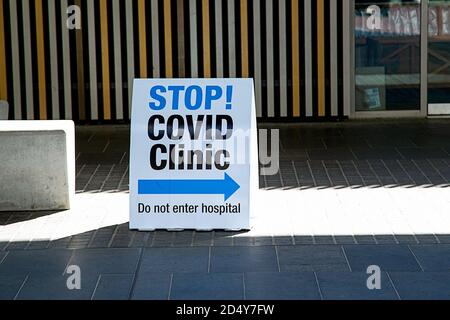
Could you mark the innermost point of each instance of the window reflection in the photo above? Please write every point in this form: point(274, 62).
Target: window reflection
point(387, 55)
point(439, 52)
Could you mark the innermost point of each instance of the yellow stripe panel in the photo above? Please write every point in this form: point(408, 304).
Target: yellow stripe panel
point(80, 71)
point(142, 39)
point(105, 60)
point(295, 60)
point(244, 38)
point(168, 38)
point(321, 57)
point(41, 60)
point(206, 40)
point(3, 87)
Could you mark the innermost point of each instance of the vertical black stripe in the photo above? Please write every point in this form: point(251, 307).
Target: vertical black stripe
point(290, 91)
point(276, 57)
point(187, 42)
point(60, 59)
point(137, 65)
point(263, 58)
point(226, 47)
point(302, 54)
point(251, 40)
point(112, 66)
point(86, 69)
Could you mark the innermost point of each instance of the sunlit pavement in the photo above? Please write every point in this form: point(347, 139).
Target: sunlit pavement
point(347, 196)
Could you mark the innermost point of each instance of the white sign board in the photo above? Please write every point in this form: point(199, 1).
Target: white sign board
point(193, 158)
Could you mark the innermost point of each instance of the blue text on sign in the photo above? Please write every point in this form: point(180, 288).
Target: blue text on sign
point(192, 97)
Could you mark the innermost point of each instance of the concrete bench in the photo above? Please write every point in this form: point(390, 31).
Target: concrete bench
point(37, 165)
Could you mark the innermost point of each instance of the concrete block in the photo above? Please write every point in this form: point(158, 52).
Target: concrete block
point(37, 165)
point(4, 109)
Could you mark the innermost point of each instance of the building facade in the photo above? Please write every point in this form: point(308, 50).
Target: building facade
point(310, 59)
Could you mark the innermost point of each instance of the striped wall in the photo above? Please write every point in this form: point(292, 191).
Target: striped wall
point(292, 48)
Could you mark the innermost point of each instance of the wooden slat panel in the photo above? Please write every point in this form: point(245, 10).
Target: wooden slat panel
point(105, 60)
point(321, 57)
point(168, 39)
point(193, 37)
point(206, 39)
point(142, 40)
point(244, 38)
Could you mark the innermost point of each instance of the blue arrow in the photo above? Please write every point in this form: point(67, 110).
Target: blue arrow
point(226, 186)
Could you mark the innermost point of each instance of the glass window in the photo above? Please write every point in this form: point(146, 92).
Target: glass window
point(387, 55)
point(438, 56)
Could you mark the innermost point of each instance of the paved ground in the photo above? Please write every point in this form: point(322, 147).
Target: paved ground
point(386, 186)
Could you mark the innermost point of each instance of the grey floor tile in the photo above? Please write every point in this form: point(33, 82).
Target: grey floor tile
point(10, 285)
point(433, 257)
point(168, 260)
point(263, 241)
point(281, 286)
point(376, 153)
point(35, 261)
point(107, 260)
point(213, 286)
point(283, 240)
point(422, 285)
point(426, 239)
point(366, 239)
point(243, 259)
point(299, 240)
point(312, 258)
point(353, 286)
point(151, 286)
point(330, 154)
point(3, 255)
point(113, 287)
point(406, 239)
point(387, 257)
point(344, 239)
point(423, 153)
point(54, 287)
point(385, 239)
point(444, 238)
